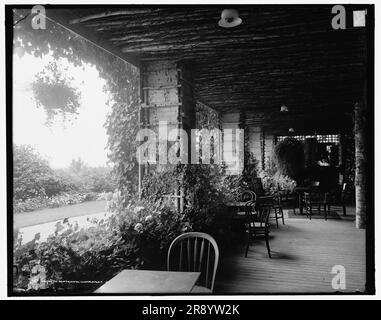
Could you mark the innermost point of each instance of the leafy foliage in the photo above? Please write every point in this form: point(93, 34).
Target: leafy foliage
point(122, 83)
point(122, 127)
point(274, 182)
point(54, 92)
point(206, 191)
point(289, 158)
point(32, 175)
point(237, 184)
point(137, 237)
point(36, 185)
point(84, 179)
point(59, 200)
point(206, 117)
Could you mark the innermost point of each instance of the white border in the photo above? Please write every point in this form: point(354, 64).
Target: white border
point(3, 208)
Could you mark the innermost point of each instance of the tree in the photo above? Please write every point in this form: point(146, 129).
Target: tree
point(32, 175)
point(122, 83)
point(77, 166)
point(361, 164)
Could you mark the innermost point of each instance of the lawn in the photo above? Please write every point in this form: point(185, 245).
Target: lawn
point(52, 214)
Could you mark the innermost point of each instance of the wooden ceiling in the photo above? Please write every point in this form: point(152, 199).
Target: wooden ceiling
point(285, 54)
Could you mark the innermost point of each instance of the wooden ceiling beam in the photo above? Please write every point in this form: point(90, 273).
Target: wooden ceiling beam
point(62, 17)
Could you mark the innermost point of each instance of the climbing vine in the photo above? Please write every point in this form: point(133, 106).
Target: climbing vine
point(122, 80)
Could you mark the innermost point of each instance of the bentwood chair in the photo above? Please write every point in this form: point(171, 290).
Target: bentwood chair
point(257, 225)
point(248, 197)
point(257, 186)
point(278, 209)
point(195, 252)
point(289, 199)
point(316, 200)
point(339, 198)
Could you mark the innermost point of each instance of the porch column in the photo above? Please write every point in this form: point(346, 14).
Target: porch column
point(269, 142)
point(361, 164)
point(167, 95)
point(231, 121)
point(256, 145)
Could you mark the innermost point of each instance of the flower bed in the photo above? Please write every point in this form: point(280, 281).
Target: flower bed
point(56, 201)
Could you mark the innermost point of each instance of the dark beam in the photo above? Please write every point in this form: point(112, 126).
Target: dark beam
point(61, 17)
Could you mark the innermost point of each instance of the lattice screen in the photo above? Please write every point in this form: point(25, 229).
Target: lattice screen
point(322, 138)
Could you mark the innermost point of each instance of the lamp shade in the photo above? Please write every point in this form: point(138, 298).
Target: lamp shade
point(229, 19)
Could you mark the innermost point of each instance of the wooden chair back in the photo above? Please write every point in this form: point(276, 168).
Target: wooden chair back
point(261, 215)
point(258, 186)
point(249, 208)
point(315, 197)
point(195, 252)
point(264, 214)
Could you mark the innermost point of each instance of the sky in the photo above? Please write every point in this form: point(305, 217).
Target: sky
point(60, 143)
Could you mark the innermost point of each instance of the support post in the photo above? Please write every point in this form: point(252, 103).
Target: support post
point(361, 164)
point(167, 96)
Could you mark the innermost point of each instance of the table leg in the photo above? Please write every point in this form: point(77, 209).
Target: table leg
point(300, 203)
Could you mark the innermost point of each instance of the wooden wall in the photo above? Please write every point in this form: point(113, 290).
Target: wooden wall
point(231, 121)
point(269, 142)
point(258, 142)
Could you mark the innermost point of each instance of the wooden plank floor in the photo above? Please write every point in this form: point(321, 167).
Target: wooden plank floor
point(304, 252)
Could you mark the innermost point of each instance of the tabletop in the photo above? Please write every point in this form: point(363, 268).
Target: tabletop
point(150, 281)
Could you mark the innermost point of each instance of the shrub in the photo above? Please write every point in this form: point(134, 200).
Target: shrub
point(56, 201)
point(83, 179)
point(32, 175)
point(206, 191)
point(31, 204)
point(137, 237)
point(275, 182)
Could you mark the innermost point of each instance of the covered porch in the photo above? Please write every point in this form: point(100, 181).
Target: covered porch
point(284, 72)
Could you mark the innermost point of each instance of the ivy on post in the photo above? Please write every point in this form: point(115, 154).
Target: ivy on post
point(122, 83)
point(166, 92)
point(361, 164)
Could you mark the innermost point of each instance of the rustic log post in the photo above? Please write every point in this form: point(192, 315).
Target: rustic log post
point(361, 164)
point(243, 125)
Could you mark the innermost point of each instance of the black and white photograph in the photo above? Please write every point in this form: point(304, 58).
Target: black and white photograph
point(190, 150)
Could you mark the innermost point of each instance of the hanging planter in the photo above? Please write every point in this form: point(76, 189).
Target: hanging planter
point(289, 158)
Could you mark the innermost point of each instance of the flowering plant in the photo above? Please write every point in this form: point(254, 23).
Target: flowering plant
point(276, 182)
point(79, 259)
